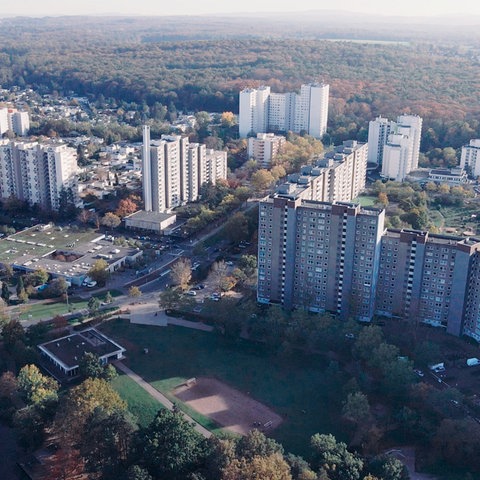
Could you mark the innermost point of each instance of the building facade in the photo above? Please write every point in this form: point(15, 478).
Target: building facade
point(339, 176)
point(470, 159)
point(338, 257)
point(174, 170)
point(318, 256)
point(261, 111)
point(37, 173)
point(14, 121)
point(395, 145)
point(264, 148)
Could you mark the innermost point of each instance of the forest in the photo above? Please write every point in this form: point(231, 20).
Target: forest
point(204, 65)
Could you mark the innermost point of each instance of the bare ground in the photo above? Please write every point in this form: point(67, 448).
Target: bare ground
point(228, 407)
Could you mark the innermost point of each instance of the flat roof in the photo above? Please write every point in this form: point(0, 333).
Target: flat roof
point(150, 216)
point(69, 350)
point(32, 248)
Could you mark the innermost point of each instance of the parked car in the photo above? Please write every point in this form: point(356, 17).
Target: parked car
point(193, 293)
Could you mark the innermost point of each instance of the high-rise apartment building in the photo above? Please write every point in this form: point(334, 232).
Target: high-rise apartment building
point(262, 111)
point(174, 170)
point(319, 256)
point(378, 131)
point(264, 148)
point(15, 121)
point(253, 110)
point(339, 176)
point(395, 145)
point(337, 257)
point(470, 159)
point(37, 173)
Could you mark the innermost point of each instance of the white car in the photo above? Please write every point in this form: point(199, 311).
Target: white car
point(193, 293)
point(92, 284)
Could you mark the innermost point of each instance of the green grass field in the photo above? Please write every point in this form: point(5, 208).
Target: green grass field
point(296, 387)
point(46, 311)
point(140, 403)
point(366, 200)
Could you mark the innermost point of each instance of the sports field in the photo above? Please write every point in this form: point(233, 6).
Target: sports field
point(304, 394)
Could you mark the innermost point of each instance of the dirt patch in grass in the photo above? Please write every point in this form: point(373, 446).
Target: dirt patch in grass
point(228, 407)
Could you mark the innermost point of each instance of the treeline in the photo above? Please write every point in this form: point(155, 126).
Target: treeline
point(437, 82)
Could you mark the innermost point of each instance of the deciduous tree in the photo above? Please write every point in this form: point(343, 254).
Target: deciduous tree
point(181, 272)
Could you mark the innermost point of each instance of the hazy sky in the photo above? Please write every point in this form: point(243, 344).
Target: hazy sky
point(192, 7)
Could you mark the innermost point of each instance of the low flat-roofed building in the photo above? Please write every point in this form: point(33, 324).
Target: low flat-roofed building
point(454, 176)
point(63, 251)
point(66, 353)
point(152, 221)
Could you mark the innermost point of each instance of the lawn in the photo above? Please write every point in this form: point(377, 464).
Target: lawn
point(296, 387)
point(366, 200)
point(51, 308)
point(140, 403)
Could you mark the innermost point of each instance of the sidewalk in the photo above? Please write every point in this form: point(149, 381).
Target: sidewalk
point(160, 397)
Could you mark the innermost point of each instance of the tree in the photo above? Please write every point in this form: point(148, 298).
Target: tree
point(84, 216)
point(261, 180)
point(134, 292)
point(80, 402)
point(356, 408)
point(90, 366)
point(334, 458)
point(383, 199)
point(272, 467)
point(248, 264)
point(368, 339)
point(110, 220)
point(228, 119)
point(5, 292)
point(236, 227)
point(8, 385)
point(57, 287)
point(35, 387)
point(457, 442)
point(106, 442)
point(181, 272)
point(170, 446)
point(12, 333)
point(99, 271)
point(169, 299)
point(20, 285)
point(38, 277)
point(388, 467)
point(219, 274)
point(108, 297)
point(256, 444)
point(278, 172)
point(126, 206)
point(93, 305)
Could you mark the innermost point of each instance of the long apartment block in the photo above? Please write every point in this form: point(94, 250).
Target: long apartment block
point(338, 257)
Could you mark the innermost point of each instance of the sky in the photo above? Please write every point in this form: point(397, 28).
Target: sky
point(203, 7)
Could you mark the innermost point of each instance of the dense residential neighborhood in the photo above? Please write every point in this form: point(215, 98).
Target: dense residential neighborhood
point(220, 260)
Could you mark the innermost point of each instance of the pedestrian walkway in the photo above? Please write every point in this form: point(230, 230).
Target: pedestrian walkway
point(160, 397)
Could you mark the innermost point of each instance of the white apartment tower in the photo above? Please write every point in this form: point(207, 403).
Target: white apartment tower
point(470, 159)
point(15, 121)
point(253, 110)
point(262, 111)
point(264, 148)
point(378, 131)
point(37, 173)
point(395, 145)
point(174, 170)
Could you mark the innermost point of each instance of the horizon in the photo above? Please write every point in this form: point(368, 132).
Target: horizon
point(408, 8)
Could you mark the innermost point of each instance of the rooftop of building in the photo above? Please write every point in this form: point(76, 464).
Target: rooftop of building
point(70, 349)
point(63, 251)
point(150, 216)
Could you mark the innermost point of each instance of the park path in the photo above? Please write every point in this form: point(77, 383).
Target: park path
point(160, 397)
